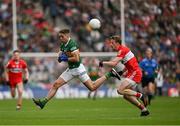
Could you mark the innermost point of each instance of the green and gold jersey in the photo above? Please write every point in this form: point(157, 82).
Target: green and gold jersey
point(68, 48)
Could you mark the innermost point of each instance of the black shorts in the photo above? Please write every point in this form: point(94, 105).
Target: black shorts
point(146, 81)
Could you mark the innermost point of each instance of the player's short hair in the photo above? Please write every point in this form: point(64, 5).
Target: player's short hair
point(16, 51)
point(149, 49)
point(64, 31)
point(117, 38)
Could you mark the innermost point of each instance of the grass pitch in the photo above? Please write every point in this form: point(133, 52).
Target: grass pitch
point(106, 111)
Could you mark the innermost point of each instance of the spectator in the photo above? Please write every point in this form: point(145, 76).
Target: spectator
point(159, 82)
point(149, 23)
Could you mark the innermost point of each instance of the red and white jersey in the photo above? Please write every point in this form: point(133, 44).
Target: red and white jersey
point(129, 60)
point(16, 70)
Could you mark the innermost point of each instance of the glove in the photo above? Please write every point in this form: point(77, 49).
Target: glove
point(25, 81)
point(120, 73)
point(101, 64)
point(62, 57)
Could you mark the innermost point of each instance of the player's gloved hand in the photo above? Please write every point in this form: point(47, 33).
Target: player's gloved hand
point(101, 64)
point(63, 57)
point(120, 73)
point(25, 81)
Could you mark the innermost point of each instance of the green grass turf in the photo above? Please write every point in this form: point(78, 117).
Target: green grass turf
point(106, 111)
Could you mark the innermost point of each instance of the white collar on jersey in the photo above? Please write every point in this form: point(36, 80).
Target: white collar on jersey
point(67, 41)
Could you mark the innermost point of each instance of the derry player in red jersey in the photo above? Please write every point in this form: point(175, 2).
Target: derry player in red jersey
point(132, 73)
point(14, 76)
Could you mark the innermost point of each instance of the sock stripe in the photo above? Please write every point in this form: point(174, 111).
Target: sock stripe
point(138, 95)
point(140, 106)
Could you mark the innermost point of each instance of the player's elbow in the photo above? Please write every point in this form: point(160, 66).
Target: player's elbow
point(77, 59)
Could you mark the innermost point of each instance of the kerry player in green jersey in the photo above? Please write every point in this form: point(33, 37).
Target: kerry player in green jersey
point(69, 52)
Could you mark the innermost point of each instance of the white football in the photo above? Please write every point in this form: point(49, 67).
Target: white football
point(95, 23)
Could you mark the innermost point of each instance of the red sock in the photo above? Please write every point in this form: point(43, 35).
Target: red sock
point(140, 106)
point(138, 95)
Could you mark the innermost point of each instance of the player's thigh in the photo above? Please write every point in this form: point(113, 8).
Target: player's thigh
point(63, 79)
point(151, 83)
point(81, 73)
point(126, 84)
point(59, 82)
point(65, 76)
point(84, 78)
point(123, 85)
point(151, 86)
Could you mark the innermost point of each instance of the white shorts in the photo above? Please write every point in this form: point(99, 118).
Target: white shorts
point(132, 83)
point(79, 72)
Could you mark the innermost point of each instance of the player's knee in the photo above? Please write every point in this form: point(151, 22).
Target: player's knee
point(56, 85)
point(126, 91)
point(120, 92)
point(20, 93)
point(125, 96)
point(92, 88)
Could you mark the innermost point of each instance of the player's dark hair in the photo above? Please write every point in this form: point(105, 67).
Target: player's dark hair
point(64, 31)
point(16, 51)
point(117, 38)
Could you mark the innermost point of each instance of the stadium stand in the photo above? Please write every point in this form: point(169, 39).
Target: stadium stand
point(149, 23)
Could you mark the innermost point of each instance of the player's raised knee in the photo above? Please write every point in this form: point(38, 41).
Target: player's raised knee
point(120, 92)
point(56, 84)
point(92, 88)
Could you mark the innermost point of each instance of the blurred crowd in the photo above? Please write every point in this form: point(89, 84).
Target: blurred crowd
point(148, 23)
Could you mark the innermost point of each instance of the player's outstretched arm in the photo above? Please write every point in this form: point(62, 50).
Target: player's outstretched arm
point(111, 63)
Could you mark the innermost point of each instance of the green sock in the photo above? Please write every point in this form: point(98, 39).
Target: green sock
point(44, 100)
point(108, 75)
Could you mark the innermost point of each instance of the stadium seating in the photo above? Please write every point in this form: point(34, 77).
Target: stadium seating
point(148, 24)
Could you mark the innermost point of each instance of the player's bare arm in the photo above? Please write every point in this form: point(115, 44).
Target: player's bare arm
point(112, 62)
point(26, 73)
point(6, 74)
point(75, 56)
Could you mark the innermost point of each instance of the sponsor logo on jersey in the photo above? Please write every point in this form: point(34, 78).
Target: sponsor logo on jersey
point(15, 70)
point(127, 57)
